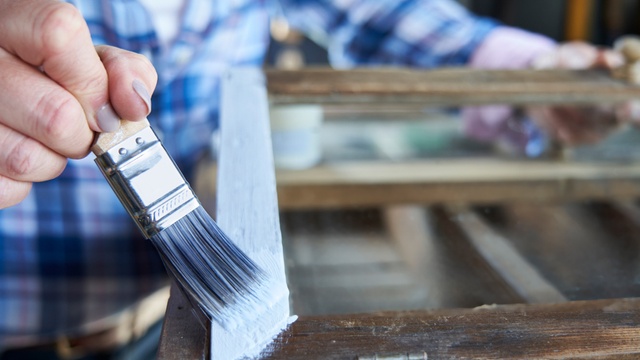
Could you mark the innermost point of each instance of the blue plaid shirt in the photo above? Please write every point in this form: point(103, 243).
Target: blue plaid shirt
point(70, 255)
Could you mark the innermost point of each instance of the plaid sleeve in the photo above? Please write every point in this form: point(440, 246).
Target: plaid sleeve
point(420, 33)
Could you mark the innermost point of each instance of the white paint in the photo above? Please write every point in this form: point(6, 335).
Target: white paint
point(248, 212)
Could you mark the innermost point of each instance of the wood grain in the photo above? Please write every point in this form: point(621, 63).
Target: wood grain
point(605, 329)
point(106, 141)
point(446, 87)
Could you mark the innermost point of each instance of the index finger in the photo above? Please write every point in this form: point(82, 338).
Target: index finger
point(53, 36)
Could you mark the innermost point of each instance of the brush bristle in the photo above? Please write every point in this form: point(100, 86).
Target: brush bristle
point(214, 272)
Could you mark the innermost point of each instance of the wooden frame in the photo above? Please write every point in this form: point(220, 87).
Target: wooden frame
point(553, 329)
point(445, 87)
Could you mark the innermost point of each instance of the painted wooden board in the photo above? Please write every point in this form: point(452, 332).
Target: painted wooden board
point(247, 207)
point(446, 87)
point(600, 329)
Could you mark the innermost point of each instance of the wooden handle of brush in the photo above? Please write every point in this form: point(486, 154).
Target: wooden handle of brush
point(106, 141)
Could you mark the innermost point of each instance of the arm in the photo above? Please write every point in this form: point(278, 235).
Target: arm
point(418, 33)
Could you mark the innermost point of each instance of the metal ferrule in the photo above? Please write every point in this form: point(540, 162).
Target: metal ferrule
point(147, 182)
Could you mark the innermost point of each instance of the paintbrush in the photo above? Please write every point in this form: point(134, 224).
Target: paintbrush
point(216, 275)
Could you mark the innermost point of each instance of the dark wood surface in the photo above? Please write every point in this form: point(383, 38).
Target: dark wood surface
point(594, 329)
point(453, 86)
point(183, 337)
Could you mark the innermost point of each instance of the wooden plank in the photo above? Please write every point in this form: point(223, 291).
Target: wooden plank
point(353, 184)
point(455, 171)
point(411, 231)
point(247, 208)
point(604, 329)
point(446, 87)
point(504, 259)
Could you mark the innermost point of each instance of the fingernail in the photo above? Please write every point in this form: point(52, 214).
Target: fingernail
point(108, 120)
point(142, 91)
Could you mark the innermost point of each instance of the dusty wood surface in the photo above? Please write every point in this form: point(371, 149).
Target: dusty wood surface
point(183, 337)
point(466, 181)
point(593, 329)
point(454, 86)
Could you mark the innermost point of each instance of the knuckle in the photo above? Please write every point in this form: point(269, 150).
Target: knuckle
point(60, 24)
point(11, 192)
point(55, 117)
point(27, 160)
point(19, 161)
point(138, 63)
point(93, 84)
point(144, 62)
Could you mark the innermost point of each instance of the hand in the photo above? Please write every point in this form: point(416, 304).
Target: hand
point(574, 125)
point(55, 91)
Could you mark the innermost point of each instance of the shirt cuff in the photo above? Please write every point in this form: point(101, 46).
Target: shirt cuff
point(504, 48)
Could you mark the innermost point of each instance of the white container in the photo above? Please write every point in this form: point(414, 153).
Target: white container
point(295, 134)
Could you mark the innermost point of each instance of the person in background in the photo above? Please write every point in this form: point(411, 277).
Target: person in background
point(73, 265)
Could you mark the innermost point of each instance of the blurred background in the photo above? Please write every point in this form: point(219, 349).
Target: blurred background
point(596, 21)
point(362, 256)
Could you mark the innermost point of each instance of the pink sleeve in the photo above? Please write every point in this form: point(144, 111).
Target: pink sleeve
point(510, 48)
point(504, 48)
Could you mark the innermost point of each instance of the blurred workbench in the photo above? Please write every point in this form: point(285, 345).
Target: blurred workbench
point(465, 257)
